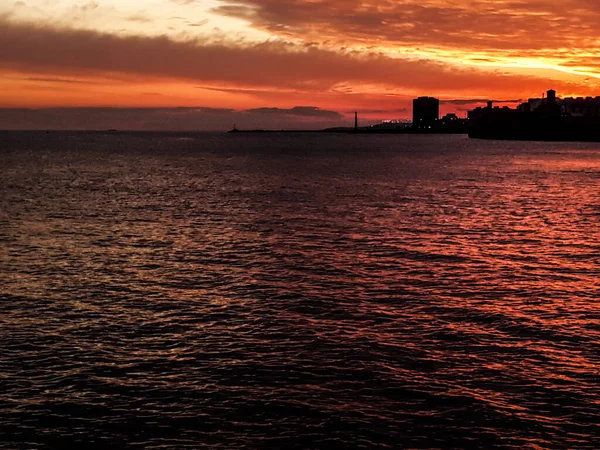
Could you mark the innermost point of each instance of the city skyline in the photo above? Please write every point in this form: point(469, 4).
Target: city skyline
point(288, 62)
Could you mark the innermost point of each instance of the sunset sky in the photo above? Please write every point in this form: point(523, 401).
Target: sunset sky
point(202, 64)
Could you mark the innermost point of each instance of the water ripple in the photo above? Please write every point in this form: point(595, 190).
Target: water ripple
point(298, 291)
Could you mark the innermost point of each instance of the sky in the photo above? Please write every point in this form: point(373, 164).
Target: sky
point(204, 64)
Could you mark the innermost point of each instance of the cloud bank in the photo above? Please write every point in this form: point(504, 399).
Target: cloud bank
point(68, 52)
point(523, 25)
point(171, 119)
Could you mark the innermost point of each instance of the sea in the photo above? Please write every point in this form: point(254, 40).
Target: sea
point(298, 291)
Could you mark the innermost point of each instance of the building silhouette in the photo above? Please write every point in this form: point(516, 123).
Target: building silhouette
point(426, 112)
point(578, 107)
point(546, 119)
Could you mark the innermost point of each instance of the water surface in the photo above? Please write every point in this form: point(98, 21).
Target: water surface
point(298, 291)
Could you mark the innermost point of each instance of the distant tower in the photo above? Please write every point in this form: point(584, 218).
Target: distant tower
point(551, 97)
point(355, 120)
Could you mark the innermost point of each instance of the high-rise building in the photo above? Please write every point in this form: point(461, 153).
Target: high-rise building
point(426, 111)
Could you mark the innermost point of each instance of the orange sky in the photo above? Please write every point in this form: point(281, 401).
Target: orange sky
point(336, 55)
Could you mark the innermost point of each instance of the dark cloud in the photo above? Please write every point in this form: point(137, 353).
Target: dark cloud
point(477, 100)
point(300, 111)
point(273, 64)
point(381, 111)
point(175, 119)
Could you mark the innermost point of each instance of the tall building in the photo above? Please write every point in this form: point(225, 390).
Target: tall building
point(426, 110)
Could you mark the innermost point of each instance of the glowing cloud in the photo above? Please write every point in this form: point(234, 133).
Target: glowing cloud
point(252, 54)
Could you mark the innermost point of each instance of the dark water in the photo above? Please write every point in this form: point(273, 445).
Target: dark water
point(298, 291)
